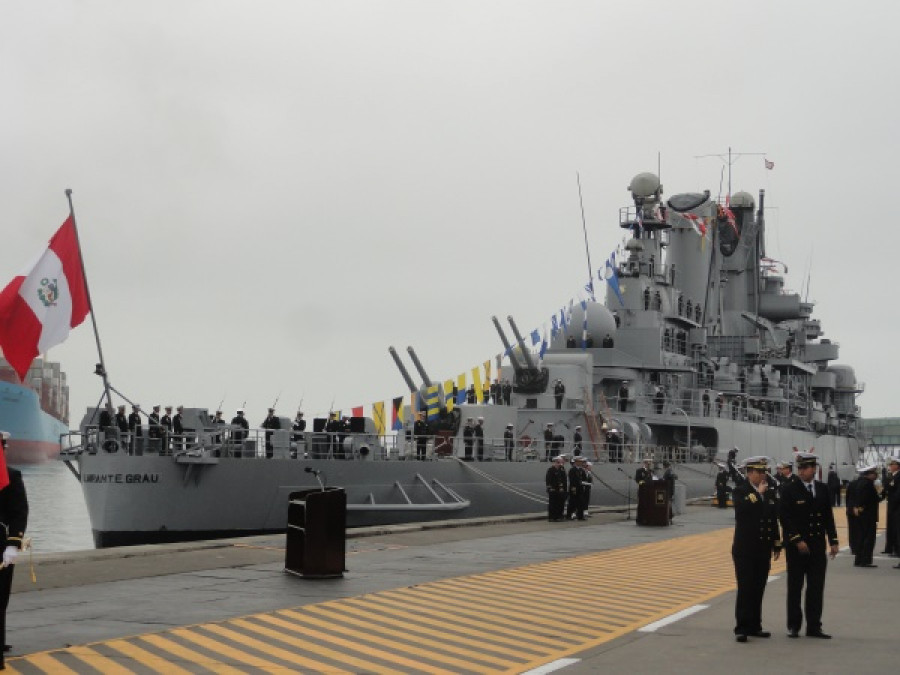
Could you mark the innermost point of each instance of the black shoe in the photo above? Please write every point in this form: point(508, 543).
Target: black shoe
point(818, 634)
point(6, 648)
point(740, 637)
point(761, 634)
point(793, 633)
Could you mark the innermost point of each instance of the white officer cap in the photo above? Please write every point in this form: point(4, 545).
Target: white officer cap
point(4, 435)
point(894, 460)
point(871, 468)
point(805, 459)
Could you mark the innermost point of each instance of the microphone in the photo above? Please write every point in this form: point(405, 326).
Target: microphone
point(311, 470)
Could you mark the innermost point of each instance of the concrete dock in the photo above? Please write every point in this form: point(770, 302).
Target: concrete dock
point(506, 595)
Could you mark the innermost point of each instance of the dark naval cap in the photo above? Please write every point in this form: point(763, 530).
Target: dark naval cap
point(805, 459)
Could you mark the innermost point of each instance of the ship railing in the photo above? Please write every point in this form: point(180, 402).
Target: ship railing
point(733, 406)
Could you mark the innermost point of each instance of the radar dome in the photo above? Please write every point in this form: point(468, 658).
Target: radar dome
point(645, 185)
point(600, 323)
point(742, 200)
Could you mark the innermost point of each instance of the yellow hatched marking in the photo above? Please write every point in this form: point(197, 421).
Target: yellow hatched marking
point(183, 652)
point(269, 649)
point(453, 620)
point(236, 654)
point(333, 636)
point(306, 645)
point(97, 660)
point(423, 600)
point(377, 624)
point(45, 662)
point(142, 656)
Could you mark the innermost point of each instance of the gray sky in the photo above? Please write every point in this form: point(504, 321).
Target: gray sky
point(270, 194)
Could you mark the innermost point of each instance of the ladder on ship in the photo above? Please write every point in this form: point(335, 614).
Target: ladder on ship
point(590, 418)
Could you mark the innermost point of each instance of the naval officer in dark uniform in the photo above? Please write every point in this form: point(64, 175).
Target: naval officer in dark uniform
point(807, 525)
point(866, 510)
point(757, 541)
point(557, 486)
point(14, 516)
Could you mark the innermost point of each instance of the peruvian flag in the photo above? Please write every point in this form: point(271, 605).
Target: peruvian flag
point(39, 307)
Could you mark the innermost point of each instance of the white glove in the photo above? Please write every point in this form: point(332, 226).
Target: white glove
point(10, 555)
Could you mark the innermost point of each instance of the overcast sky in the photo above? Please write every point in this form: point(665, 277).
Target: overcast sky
point(269, 194)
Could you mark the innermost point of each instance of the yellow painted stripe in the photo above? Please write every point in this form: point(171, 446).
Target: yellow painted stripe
point(377, 625)
point(142, 656)
point(300, 624)
point(230, 652)
point(449, 620)
point(46, 663)
point(269, 650)
point(98, 661)
point(186, 654)
point(309, 646)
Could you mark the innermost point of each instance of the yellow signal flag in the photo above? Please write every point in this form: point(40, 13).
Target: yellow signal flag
point(461, 386)
point(487, 371)
point(476, 378)
point(432, 402)
point(448, 395)
point(378, 417)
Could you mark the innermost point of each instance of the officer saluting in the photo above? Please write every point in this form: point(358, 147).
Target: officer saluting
point(756, 542)
point(807, 524)
point(14, 516)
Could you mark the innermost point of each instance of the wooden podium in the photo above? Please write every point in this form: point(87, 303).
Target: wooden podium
point(316, 533)
point(653, 503)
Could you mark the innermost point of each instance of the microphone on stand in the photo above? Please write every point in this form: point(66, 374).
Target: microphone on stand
point(315, 472)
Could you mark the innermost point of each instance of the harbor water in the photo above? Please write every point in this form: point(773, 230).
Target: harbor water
point(57, 517)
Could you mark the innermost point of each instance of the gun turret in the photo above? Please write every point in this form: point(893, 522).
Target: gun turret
point(418, 365)
point(531, 379)
point(409, 381)
point(514, 362)
point(525, 353)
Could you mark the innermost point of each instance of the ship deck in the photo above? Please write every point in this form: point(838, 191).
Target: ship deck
point(503, 595)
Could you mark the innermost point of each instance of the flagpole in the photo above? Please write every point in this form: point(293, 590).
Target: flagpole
point(87, 290)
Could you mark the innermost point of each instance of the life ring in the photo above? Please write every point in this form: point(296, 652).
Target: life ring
point(525, 441)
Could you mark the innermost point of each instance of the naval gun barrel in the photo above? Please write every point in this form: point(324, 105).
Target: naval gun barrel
point(418, 365)
point(512, 357)
point(403, 371)
point(525, 354)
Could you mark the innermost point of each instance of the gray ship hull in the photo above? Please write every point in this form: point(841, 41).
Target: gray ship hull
point(153, 499)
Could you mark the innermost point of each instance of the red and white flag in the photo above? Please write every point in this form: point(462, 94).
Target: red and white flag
point(40, 306)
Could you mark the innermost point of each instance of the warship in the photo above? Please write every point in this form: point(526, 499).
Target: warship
point(697, 349)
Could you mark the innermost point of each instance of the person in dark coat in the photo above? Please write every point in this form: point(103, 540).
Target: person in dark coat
point(557, 487)
point(559, 391)
point(807, 525)
point(834, 486)
point(243, 427)
point(669, 476)
point(479, 439)
point(644, 473)
point(891, 488)
point(134, 427)
point(548, 442)
point(154, 429)
point(722, 488)
point(587, 483)
point(576, 442)
point(509, 442)
point(575, 506)
point(271, 423)
point(866, 510)
point(14, 516)
point(420, 431)
point(757, 541)
point(166, 423)
point(852, 519)
point(507, 392)
point(122, 421)
point(468, 439)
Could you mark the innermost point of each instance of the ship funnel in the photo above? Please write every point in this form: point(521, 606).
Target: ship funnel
point(403, 371)
point(512, 357)
point(525, 353)
point(418, 365)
